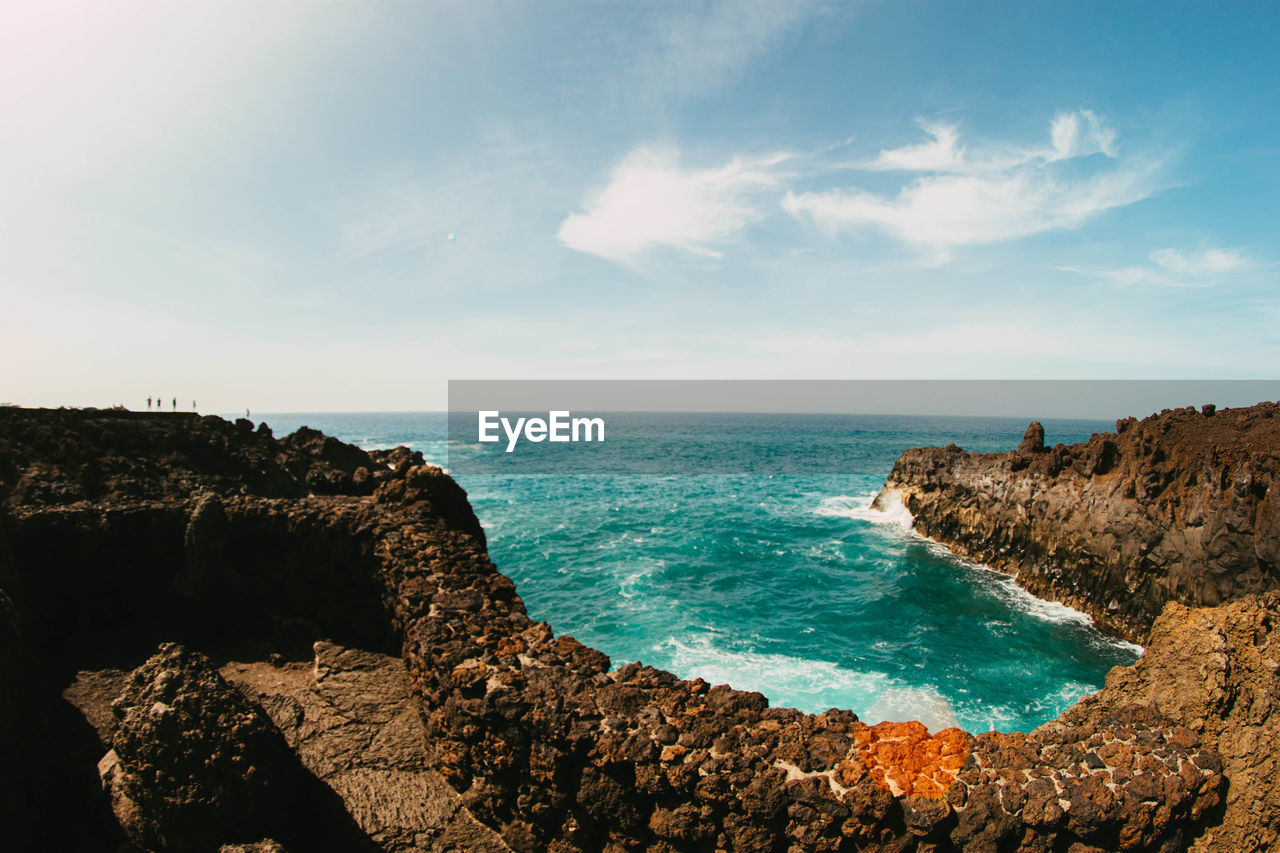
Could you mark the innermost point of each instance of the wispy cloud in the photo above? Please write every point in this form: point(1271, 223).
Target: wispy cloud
point(652, 201)
point(1000, 194)
point(1202, 263)
point(1080, 134)
point(940, 154)
point(703, 46)
point(958, 210)
point(1174, 268)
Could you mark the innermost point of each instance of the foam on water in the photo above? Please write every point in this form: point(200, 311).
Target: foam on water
point(809, 685)
point(860, 508)
point(1005, 586)
point(902, 704)
point(794, 682)
point(793, 586)
point(992, 716)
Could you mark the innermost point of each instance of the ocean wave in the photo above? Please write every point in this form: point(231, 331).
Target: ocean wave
point(1002, 585)
point(901, 704)
point(859, 507)
point(1006, 588)
point(635, 576)
point(812, 686)
point(979, 718)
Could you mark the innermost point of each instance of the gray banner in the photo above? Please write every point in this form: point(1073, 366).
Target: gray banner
point(661, 427)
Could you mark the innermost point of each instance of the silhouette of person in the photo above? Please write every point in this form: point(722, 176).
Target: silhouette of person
point(175, 404)
point(193, 405)
point(148, 404)
point(246, 414)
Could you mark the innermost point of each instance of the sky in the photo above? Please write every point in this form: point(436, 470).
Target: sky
point(322, 206)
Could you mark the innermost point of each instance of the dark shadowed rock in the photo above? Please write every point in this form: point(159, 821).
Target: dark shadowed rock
point(194, 762)
point(351, 717)
point(543, 743)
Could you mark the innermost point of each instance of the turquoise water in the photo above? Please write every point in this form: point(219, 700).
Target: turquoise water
point(785, 584)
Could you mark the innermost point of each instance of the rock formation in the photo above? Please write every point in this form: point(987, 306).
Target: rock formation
point(193, 761)
point(1176, 507)
point(349, 600)
point(1215, 669)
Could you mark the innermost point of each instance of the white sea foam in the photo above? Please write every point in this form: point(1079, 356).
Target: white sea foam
point(982, 717)
point(859, 508)
point(810, 685)
point(1003, 585)
point(901, 704)
point(635, 577)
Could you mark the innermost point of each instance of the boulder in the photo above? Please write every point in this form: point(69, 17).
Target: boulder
point(194, 763)
point(1032, 439)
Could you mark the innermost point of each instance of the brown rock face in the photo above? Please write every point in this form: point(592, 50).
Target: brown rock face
point(544, 744)
point(1032, 439)
point(1215, 671)
point(1181, 506)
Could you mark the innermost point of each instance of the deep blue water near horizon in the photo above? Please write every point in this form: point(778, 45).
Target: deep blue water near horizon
point(785, 584)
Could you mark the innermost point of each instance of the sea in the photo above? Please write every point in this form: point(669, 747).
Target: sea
point(788, 583)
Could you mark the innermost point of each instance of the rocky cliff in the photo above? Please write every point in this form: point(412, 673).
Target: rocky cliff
point(1181, 506)
point(192, 610)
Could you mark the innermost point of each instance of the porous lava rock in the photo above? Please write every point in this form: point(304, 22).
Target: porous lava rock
point(194, 763)
point(218, 536)
point(1216, 671)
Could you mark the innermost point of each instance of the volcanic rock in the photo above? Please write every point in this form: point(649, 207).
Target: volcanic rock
point(1177, 507)
point(374, 644)
point(194, 762)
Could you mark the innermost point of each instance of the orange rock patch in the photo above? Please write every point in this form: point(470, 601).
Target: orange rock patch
point(905, 760)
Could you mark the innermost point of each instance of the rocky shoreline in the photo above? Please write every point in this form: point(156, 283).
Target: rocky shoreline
point(1176, 507)
point(192, 610)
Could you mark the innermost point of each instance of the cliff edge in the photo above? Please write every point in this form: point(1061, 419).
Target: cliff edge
point(168, 582)
point(1177, 507)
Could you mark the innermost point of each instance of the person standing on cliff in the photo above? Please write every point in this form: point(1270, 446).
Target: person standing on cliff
point(148, 404)
point(175, 404)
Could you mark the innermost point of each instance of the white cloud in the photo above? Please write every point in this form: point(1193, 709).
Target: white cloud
point(1174, 268)
point(953, 210)
point(941, 154)
point(1198, 264)
point(1070, 140)
point(989, 198)
point(651, 201)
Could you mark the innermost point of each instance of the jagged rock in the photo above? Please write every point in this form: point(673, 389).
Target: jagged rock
point(1032, 439)
point(59, 456)
point(207, 568)
point(194, 763)
point(1177, 507)
point(1214, 672)
point(544, 743)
